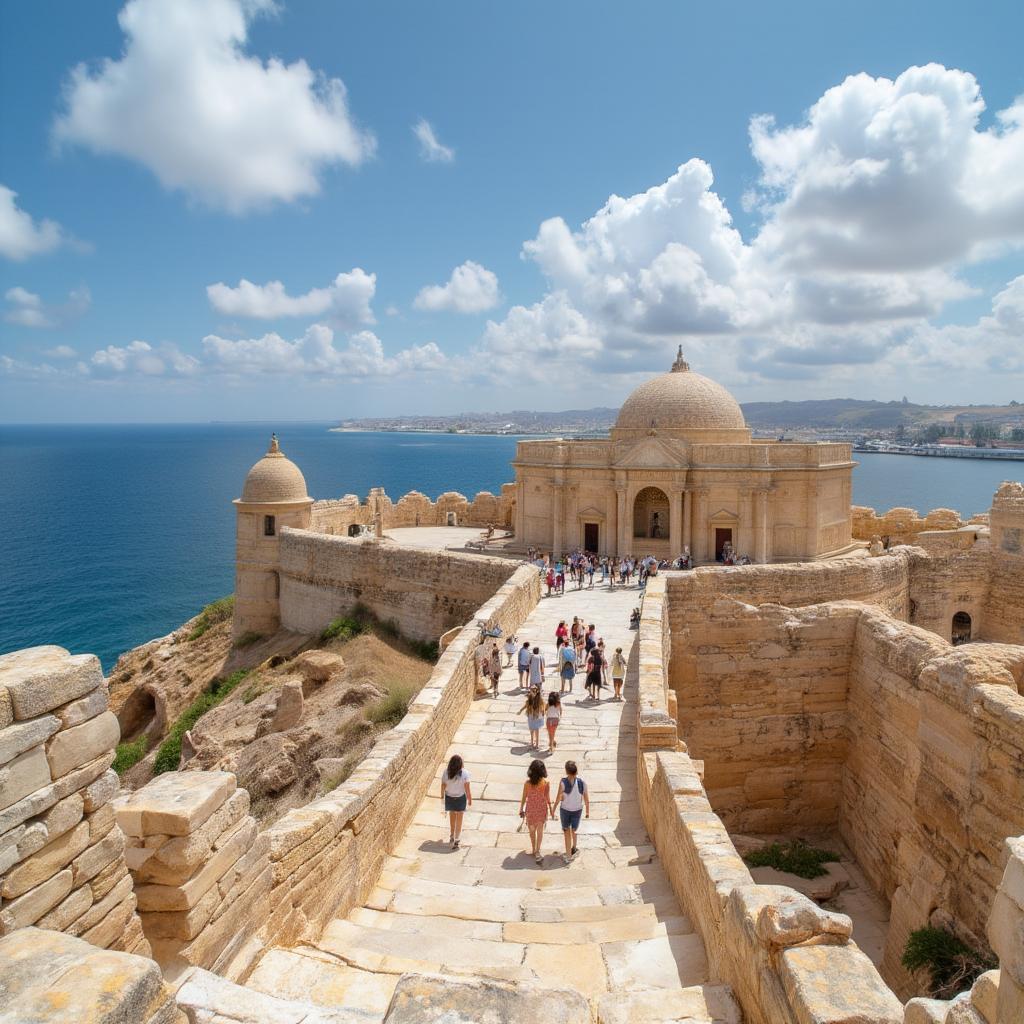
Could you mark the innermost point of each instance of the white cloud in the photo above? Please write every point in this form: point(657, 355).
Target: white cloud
point(316, 354)
point(186, 101)
point(20, 235)
point(431, 148)
point(471, 289)
point(346, 300)
point(27, 309)
point(869, 208)
point(140, 359)
point(61, 352)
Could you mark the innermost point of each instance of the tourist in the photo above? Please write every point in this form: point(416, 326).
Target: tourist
point(570, 802)
point(595, 666)
point(534, 708)
point(590, 574)
point(480, 657)
point(618, 671)
point(634, 619)
point(524, 664)
point(566, 666)
point(560, 582)
point(510, 650)
point(561, 635)
point(552, 717)
point(549, 580)
point(576, 635)
point(590, 640)
point(536, 668)
point(495, 667)
point(535, 804)
point(456, 794)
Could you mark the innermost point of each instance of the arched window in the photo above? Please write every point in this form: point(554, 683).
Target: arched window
point(269, 526)
point(354, 530)
point(650, 513)
point(961, 628)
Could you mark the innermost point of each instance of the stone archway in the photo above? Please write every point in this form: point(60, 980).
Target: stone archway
point(650, 514)
point(961, 632)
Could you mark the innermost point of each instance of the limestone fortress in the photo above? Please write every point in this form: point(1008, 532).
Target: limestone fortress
point(862, 699)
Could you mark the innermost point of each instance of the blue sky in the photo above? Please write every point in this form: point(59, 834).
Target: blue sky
point(545, 111)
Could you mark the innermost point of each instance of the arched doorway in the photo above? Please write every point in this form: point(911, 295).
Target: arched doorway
point(961, 628)
point(650, 514)
point(354, 529)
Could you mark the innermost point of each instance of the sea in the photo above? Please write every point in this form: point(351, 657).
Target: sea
point(114, 535)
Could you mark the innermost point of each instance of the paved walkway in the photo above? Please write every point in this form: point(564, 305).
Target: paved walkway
point(607, 925)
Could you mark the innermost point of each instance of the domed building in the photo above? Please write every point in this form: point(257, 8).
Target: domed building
point(681, 470)
point(273, 495)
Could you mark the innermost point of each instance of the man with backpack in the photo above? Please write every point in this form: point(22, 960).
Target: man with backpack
point(573, 797)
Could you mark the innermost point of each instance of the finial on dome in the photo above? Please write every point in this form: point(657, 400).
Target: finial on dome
point(275, 448)
point(680, 364)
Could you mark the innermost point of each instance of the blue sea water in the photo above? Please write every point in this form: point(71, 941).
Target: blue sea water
point(113, 535)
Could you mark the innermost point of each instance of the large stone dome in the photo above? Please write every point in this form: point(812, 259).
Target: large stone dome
point(274, 479)
point(680, 402)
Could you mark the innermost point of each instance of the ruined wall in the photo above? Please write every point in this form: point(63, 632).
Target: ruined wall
point(336, 515)
point(945, 583)
point(62, 864)
point(901, 525)
point(428, 592)
point(762, 699)
point(1004, 609)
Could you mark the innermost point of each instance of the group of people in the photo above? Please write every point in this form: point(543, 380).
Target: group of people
point(535, 805)
point(581, 567)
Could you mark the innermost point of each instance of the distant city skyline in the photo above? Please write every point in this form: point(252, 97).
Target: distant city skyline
point(426, 210)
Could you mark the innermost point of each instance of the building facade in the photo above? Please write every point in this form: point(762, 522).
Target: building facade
point(680, 470)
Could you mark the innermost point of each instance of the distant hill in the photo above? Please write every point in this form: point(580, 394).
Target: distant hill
point(828, 413)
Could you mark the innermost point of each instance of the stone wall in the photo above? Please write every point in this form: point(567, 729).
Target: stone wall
point(336, 515)
point(840, 716)
point(902, 525)
point(1004, 608)
point(428, 592)
point(62, 863)
point(216, 892)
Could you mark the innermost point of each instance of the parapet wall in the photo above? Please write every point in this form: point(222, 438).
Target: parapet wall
point(62, 864)
point(902, 525)
point(428, 592)
point(1004, 608)
point(336, 515)
point(221, 892)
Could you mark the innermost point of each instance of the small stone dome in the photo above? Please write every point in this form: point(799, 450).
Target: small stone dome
point(680, 400)
point(274, 479)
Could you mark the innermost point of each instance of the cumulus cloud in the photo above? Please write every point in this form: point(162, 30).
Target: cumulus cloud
point(140, 359)
point(26, 309)
point(471, 289)
point(186, 101)
point(61, 352)
point(869, 209)
point(20, 235)
point(346, 301)
point(431, 148)
point(316, 354)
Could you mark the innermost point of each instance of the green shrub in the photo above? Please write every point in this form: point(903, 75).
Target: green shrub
point(951, 964)
point(168, 757)
point(130, 754)
point(248, 639)
point(426, 650)
point(216, 611)
point(796, 857)
point(392, 708)
point(254, 691)
point(343, 629)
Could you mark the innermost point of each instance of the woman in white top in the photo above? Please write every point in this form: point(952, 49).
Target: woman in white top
point(553, 717)
point(456, 794)
point(573, 796)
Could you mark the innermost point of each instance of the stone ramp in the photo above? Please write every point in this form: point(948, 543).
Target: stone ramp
point(607, 926)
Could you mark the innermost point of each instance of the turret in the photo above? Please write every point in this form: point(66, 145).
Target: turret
point(273, 496)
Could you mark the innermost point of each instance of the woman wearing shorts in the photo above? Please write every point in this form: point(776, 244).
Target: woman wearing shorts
point(534, 708)
point(572, 798)
point(456, 794)
point(553, 716)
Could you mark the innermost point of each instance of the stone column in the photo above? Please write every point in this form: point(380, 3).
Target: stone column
point(688, 519)
point(744, 540)
point(811, 531)
point(520, 520)
point(762, 554)
point(699, 525)
point(675, 521)
point(557, 514)
point(625, 521)
point(610, 540)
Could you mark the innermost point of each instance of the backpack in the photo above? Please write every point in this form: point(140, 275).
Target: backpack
point(567, 785)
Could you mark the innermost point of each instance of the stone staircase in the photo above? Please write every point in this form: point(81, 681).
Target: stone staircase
point(607, 926)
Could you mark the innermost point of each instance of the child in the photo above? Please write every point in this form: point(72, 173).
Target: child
point(618, 672)
point(495, 669)
point(535, 804)
point(566, 666)
point(510, 650)
point(572, 797)
point(524, 664)
point(553, 717)
point(534, 708)
point(456, 795)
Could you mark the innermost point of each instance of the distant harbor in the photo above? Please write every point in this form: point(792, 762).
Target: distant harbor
point(942, 451)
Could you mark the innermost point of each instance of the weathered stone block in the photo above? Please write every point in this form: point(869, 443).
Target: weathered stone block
point(21, 776)
point(91, 861)
point(22, 736)
point(64, 815)
point(47, 862)
point(81, 710)
point(72, 748)
point(70, 909)
point(40, 679)
point(27, 909)
point(175, 803)
point(97, 793)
